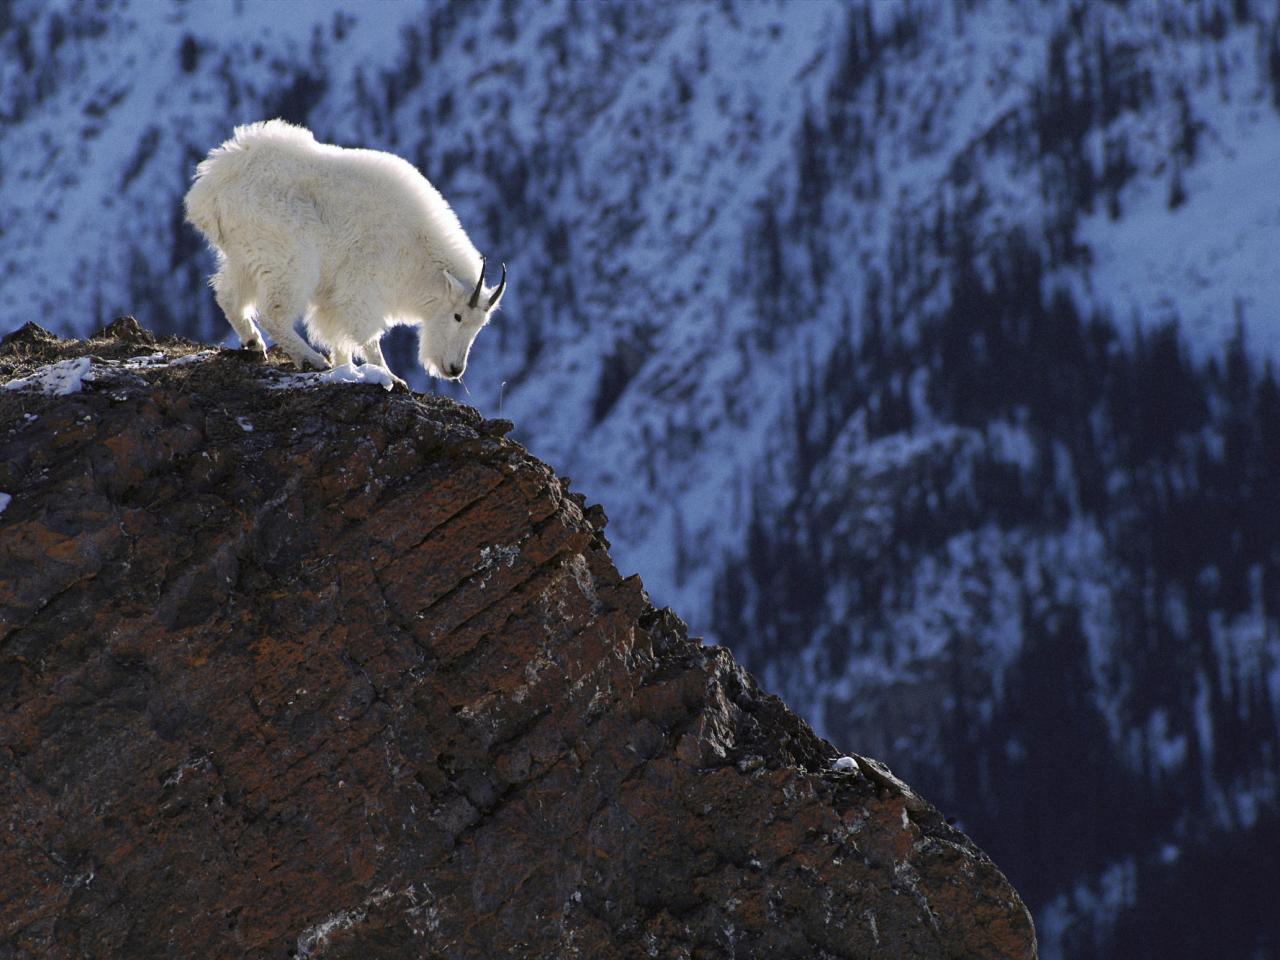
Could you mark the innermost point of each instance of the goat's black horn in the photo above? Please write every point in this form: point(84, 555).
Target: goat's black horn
point(475, 295)
point(502, 285)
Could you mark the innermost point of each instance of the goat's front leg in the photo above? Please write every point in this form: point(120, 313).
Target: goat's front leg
point(372, 351)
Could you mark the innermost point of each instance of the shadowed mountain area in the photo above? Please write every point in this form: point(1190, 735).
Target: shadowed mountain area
point(297, 668)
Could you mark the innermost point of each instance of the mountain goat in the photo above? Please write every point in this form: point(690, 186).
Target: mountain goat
point(354, 241)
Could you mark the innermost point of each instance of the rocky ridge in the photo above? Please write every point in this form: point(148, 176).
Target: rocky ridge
point(300, 669)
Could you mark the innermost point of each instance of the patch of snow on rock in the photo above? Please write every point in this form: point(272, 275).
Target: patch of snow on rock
point(57, 379)
point(365, 373)
point(346, 373)
point(146, 360)
point(199, 357)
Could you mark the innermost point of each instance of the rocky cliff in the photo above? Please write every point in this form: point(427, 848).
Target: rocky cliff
point(294, 668)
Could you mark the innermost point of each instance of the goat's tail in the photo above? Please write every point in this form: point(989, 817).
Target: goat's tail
point(204, 200)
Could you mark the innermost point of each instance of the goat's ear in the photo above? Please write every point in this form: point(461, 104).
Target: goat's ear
point(456, 287)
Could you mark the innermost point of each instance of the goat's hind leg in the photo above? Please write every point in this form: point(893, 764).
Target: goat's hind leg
point(278, 308)
point(233, 290)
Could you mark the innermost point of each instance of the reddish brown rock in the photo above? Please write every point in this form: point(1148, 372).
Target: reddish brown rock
point(330, 672)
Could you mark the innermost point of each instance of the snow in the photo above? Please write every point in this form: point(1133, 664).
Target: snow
point(1100, 901)
point(1168, 752)
point(245, 425)
point(5, 500)
point(365, 373)
point(57, 379)
point(1213, 258)
point(345, 373)
point(197, 357)
point(146, 361)
point(844, 764)
point(69, 376)
point(1011, 444)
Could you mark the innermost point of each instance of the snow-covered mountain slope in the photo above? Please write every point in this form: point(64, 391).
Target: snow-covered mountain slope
point(627, 163)
point(856, 318)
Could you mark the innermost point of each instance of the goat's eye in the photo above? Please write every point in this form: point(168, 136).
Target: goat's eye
point(458, 317)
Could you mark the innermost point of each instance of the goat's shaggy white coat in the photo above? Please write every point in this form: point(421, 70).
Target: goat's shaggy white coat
point(353, 241)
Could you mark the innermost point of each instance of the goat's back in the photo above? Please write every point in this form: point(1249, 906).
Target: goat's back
point(273, 173)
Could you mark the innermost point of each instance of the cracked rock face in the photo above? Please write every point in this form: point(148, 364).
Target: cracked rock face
point(297, 670)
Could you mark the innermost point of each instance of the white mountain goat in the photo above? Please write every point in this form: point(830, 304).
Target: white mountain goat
point(353, 241)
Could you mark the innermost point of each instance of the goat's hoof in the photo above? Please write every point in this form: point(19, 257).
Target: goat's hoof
point(310, 363)
point(244, 354)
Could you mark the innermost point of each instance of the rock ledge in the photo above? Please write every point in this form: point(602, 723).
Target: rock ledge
point(323, 671)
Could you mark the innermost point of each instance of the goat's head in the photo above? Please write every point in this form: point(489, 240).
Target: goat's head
point(450, 327)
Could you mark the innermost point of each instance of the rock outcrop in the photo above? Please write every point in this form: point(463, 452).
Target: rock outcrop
point(299, 669)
